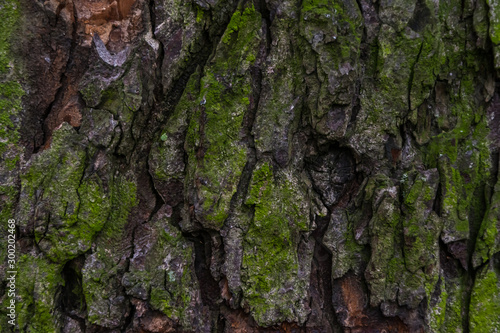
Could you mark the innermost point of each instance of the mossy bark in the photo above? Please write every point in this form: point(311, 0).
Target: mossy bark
point(251, 165)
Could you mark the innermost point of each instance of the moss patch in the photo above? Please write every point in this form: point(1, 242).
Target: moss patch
point(485, 302)
point(100, 283)
point(216, 152)
point(11, 93)
point(271, 276)
point(71, 208)
point(488, 240)
point(36, 305)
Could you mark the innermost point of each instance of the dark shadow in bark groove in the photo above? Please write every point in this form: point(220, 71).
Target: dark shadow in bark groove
point(321, 277)
point(209, 288)
point(453, 270)
point(71, 297)
point(339, 166)
point(203, 253)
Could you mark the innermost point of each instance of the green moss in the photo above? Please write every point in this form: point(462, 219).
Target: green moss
point(10, 105)
point(394, 270)
point(103, 265)
point(494, 15)
point(9, 16)
point(421, 226)
point(393, 48)
point(160, 300)
point(437, 312)
point(11, 93)
point(36, 307)
point(116, 97)
point(112, 99)
point(318, 7)
point(324, 11)
point(487, 243)
point(381, 97)
point(454, 312)
point(216, 151)
point(485, 302)
point(453, 204)
point(480, 20)
point(269, 232)
point(75, 209)
point(123, 199)
point(166, 273)
point(403, 239)
point(270, 261)
point(165, 154)
point(240, 19)
point(463, 158)
point(425, 69)
point(225, 154)
point(199, 14)
point(332, 32)
point(414, 194)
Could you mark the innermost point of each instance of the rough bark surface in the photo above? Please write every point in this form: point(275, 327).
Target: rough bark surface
point(251, 166)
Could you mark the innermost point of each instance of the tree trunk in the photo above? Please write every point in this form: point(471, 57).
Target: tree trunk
point(250, 166)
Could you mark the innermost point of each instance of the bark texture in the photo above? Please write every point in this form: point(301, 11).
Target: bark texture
point(251, 166)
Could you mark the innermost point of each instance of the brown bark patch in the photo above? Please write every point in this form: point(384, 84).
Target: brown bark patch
point(355, 314)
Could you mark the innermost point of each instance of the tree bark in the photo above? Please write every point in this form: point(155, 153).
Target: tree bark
point(250, 166)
